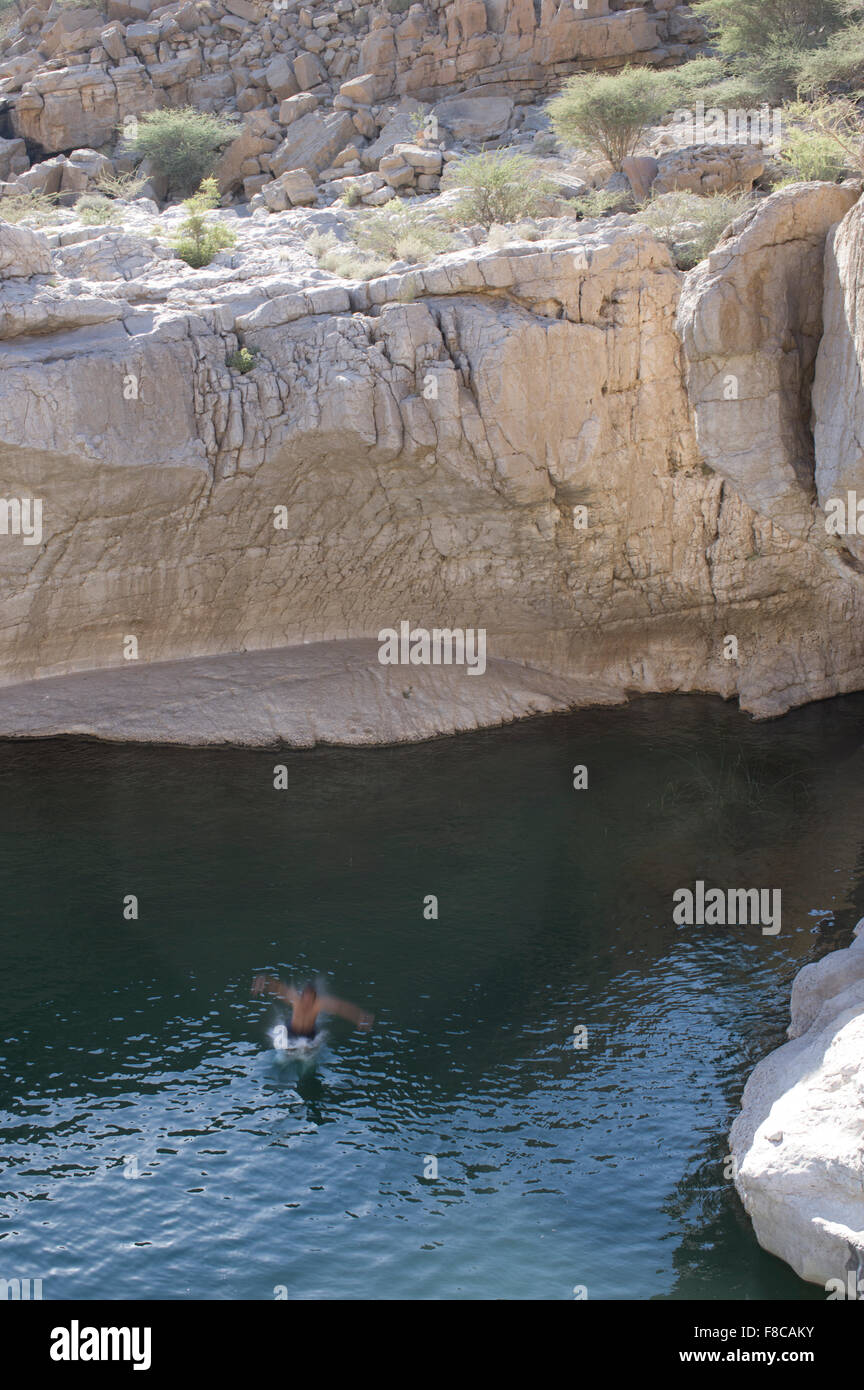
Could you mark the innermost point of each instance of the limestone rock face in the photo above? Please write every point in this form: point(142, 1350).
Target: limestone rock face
point(798, 1142)
point(23, 252)
point(500, 439)
point(751, 320)
point(838, 394)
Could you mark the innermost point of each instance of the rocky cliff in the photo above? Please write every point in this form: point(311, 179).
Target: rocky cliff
point(519, 438)
point(72, 79)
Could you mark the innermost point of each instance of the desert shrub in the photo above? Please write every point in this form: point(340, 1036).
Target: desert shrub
point(121, 186)
point(523, 231)
point(752, 26)
point(690, 81)
point(95, 210)
point(198, 240)
point(813, 155)
point(342, 260)
point(610, 113)
point(243, 360)
point(182, 144)
point(838, 121)
point(596, 202)
point(840, 61)
point(351, 196)
point(399, 233)
point(34, 209)
point(496, 187)
point(691, 225)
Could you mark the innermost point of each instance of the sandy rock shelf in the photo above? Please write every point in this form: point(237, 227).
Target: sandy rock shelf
point(322, 692)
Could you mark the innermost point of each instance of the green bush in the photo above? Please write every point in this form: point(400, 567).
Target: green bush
point(813, 155)
point(399, 233)
point(182, 144)
point(841, 61)
point(838, 121)
point(752, 26)
point(496, 187)
point(610, 113)
point(691, 225)
point(198, 240)
point(690, 81)
point(95, 210)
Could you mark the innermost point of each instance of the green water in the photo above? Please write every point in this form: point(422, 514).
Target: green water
point(133, 1046)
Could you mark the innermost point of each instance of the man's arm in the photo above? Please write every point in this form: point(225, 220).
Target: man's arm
point(331, 1005)
point(271, 984)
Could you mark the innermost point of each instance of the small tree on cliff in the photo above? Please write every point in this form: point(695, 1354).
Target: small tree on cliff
point(182, 144)
point(610, 114)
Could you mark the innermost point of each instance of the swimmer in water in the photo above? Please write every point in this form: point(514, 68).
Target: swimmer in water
point(307, 1004)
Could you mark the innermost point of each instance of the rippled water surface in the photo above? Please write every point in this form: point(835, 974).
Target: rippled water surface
point(152, 1148)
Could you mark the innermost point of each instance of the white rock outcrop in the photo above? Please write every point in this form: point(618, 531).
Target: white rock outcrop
point(798, 1142)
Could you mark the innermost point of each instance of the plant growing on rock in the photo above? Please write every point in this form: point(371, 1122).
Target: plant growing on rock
point(838, 122)
point(121, 186)
point(691, 225)
point(597, 202)
point(243, 360)
point(610, 114)
point(182, 144)
point(34, 209)
point(496, 187)
point(198, 240)
point(400, 233)
point(341, 260)
point(813, 155)
point(95, 210)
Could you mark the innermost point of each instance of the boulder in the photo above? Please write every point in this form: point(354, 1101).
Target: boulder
point(364, 90)
point(641, 171)
point(423, 160)
point(292, 108)
point(797, 1143)
point(312, 142)
point(308, 71)
point(709, 169)
point(292, 189)
point(279, 76)
point(475, 118)
point(249, 145)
